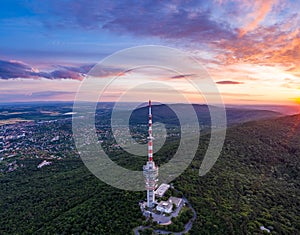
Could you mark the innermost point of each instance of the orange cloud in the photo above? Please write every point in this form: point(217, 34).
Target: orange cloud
point(260, 10)
point(269, 46)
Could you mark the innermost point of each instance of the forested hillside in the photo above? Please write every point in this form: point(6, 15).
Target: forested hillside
point(254, 183)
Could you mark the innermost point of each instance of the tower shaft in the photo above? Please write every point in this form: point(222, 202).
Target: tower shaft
point(150, 171)
point(150, 138)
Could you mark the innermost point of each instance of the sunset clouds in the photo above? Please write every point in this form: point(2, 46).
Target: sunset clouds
point(229, 82)
point(260, 9)
point(18, 69)
point(245, 45)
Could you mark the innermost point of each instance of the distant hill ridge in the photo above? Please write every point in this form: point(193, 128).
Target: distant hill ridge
point(162, 113)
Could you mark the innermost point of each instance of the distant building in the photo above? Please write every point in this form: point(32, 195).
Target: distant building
point(44, 163)
point(162, 189)
point(262, 228)
point(56, 138)
point(165, 207)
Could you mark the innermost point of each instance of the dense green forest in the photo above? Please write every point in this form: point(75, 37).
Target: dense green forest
point(254, 183)
point(64, 198)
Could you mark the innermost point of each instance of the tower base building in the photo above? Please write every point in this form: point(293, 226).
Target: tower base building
point(150, 173)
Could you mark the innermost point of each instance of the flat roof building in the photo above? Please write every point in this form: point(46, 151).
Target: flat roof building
point(162, 189)
point(165, 206)
point(175, 200)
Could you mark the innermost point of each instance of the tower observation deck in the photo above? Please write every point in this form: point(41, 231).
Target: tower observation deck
point(150, 171)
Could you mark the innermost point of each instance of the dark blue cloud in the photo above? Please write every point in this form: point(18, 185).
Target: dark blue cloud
point(16, 69)
point(181, 24)
point(50, 94)
point(191, 20)
point(228, 82)
point(43, 95)
point(183, 76)
point(84, 69)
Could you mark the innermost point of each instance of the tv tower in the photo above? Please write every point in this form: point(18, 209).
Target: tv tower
point(150, 171)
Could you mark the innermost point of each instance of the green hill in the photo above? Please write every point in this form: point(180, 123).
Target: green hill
point(165, 113)
point(254, 183)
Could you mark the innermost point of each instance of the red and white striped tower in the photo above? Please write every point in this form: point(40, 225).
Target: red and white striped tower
point(150, 138)
point(150, 171)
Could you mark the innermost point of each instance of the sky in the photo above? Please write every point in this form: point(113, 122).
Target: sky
point(250, 49)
